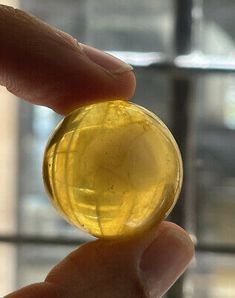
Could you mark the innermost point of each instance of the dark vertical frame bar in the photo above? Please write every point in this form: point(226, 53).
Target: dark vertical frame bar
point(182, 95)
point(180, 115)
point(183, 27)
point(180, 112)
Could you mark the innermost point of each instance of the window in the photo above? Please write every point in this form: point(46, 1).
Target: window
point(183, 52)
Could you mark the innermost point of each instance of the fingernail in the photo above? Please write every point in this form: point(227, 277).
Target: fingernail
point(165, 260)
point(106, 61)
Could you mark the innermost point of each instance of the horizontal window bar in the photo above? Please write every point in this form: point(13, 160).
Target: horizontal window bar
point(24, 239)
point(194, 62)
point(215, 248)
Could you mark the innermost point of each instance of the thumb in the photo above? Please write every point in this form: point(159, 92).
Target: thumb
point(141, 267)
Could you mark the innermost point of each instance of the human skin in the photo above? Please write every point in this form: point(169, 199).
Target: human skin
point(45, 66)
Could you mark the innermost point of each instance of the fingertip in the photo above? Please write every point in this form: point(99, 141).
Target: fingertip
point(45, 66)
point(103, 87)
point(170, 226)
point(148, 264)
point(128, 84)
point(166, 258)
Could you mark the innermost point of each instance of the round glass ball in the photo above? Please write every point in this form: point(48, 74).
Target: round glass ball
point(113, 169)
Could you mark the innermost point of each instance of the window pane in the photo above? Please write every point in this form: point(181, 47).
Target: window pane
point(8, 161)
point(7, 268)
point(126, 26)
point(35, 261)
point(69, 16)
point(111, 25)
point(215, 159)
point(218, 30)
point(25, 264)
point(154, 93)
point(211, 276)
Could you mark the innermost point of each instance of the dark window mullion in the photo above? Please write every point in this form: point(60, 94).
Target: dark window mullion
point(180, 111)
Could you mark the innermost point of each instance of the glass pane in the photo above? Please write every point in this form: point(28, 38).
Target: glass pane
point(8, 161)
point(26, 264)
point(35, 261)
point(211, 276)
point(124, 25)
point(215, 159)
point(154, 93)
point(111, 25)
point(69, 16)
point(218, 30)
point(7, 268)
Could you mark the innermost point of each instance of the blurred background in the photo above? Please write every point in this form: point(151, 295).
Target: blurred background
point(183, 52)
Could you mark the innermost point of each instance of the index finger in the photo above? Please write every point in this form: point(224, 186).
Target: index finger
point(46, 66)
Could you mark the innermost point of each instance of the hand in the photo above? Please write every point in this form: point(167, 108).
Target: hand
point(48, 67)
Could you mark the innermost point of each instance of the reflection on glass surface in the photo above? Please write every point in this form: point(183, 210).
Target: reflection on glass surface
point(211, 276)
point(215, 160)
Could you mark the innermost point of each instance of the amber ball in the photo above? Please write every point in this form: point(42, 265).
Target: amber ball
point(113, 169)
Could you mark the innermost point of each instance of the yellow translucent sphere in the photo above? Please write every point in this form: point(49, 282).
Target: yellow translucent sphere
point(112, 169)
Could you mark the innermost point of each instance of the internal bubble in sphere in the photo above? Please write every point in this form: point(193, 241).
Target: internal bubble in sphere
point(112, 169)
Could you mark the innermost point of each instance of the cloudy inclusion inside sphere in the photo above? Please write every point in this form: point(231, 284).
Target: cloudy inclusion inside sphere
point(112, 169)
